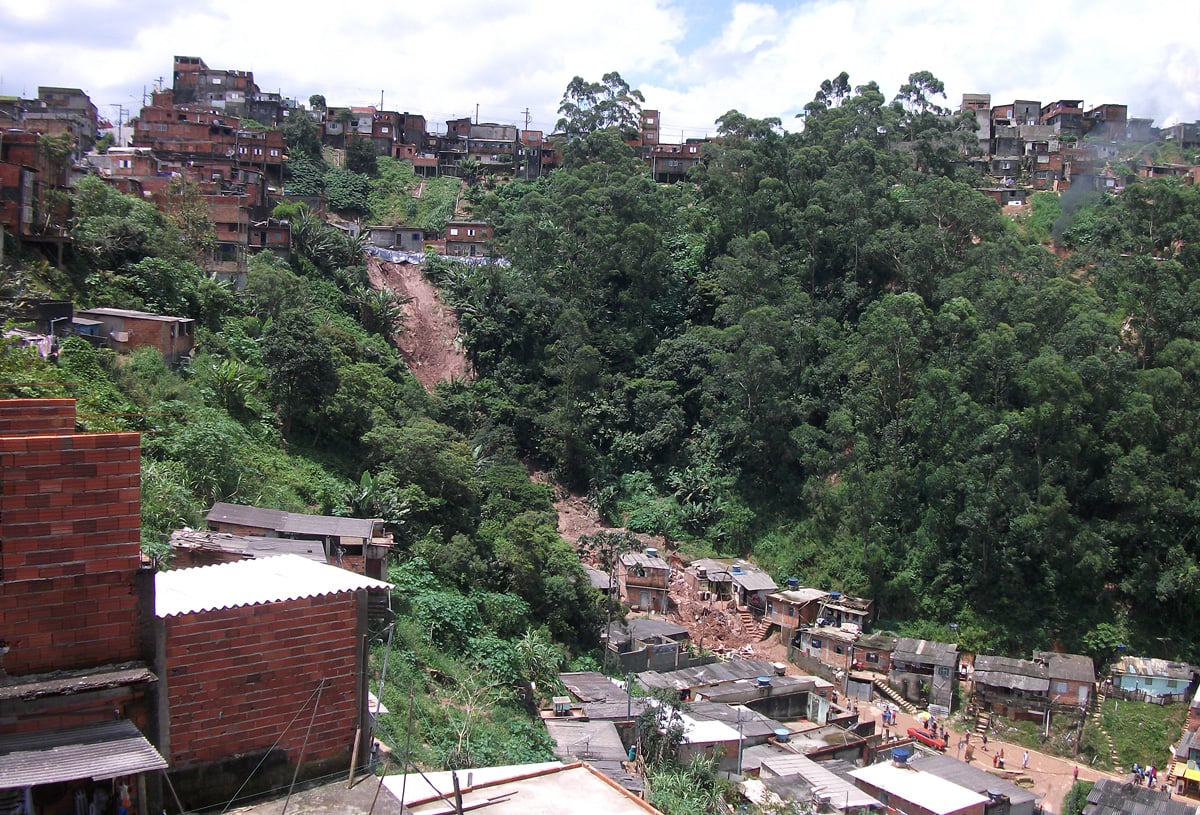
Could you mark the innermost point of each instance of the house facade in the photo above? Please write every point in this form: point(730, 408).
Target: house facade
point(642, 579)
point(917, 663)
point(126, 330)
point(1142, 677)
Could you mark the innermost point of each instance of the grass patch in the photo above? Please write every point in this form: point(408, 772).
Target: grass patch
point(1088, 747)
point(1143, 732)
point(392, 199)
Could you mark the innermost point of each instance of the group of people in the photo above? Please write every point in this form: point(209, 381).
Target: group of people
point(1145, 775)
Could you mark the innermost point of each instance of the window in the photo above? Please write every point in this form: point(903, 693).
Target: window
point(125, 164)
point(1060, 687)
point(216, 80)
point(454, 231)
point(872, 657)
point(837, 649)
point(383, 129)
point(814, 643)
point(649, 120)
point(470, 233)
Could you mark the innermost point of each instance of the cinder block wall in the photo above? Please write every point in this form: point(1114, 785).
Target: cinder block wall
point(70, 529)
point(236, 677)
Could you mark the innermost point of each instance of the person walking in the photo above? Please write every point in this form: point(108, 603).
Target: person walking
point(1076, 772)
point(1025, 761)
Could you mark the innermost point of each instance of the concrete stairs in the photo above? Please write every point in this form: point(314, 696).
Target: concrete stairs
point(983, 721)
point(757, 628)
point(892, 695)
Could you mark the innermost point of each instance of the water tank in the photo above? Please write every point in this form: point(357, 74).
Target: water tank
point(764, 681)
point(793, 583)
point(651, 553)
point(736, 570)
point(702, 572)
point(900, 755)
point(782, 734)
point(835, 595)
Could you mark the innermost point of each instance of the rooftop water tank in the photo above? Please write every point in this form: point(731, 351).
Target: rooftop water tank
point(782, 733)
point(651, 553)
point(793, 583)
point(900, 755)
point(764, 681)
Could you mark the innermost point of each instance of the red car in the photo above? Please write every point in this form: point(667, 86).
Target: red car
point(926, 738)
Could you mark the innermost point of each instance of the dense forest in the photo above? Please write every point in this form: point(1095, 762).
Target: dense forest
point(830, 351)
point(827, 350)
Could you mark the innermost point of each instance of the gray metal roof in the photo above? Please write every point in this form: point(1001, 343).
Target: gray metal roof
point(592, 686)
point(248, 545)
point(701, 675)
point(1110, 797)
point(65, 683)
point(756, 580)
point(973, 778)
point(99, 751)
point(754, 725)
point(644, 560)
point(1006, 672)
point(292, 523)
point(925, 652)
point(1074, 667)
point(135, 315)
point(598, 578)
point(642, 628)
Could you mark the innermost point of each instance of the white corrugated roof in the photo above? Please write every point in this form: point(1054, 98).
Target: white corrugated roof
point(250, 582)
point(926, 790)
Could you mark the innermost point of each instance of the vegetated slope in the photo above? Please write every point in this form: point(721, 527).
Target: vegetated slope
point(428, 339)
point(831, 350)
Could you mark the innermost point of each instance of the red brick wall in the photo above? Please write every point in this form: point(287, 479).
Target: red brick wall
point(236, 677)
point(70, 529)
point(36, 417)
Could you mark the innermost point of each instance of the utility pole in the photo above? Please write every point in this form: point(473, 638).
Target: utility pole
point(476, 113)
point(121, 113)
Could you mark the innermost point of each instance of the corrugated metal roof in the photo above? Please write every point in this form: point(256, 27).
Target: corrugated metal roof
point(1143, 666)
point(293, 523)
point(926, 652)
point(1110, 797)
point(1074, 667)
point(137, 315)
point(1006, 672)
point(971, 777)
point(100, 751)
point(248, 545)
point(711, 674)
point(250, 582)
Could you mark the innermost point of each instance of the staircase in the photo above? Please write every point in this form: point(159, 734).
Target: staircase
point(756, 627)
point(892, 695)
point(983, 722)
point(1112, 748)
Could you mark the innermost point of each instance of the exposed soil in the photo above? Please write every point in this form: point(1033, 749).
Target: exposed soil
point(429, 339)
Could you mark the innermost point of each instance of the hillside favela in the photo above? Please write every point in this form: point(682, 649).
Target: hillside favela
point(355, 461)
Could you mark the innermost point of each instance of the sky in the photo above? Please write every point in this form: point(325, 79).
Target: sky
point(694, 60)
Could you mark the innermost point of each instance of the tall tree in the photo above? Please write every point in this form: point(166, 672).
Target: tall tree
point(590, 106)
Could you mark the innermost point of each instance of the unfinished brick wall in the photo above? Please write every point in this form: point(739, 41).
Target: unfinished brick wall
point(236, 677)
point(70, 529)
point(37, 417)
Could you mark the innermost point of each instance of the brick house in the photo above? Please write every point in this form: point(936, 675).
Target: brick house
point(468, 238)
point(75, 598)
point(792, 608)
point(1072, 677)
point(127, 330)
point(843, 650)
point(642, 579)
point(262, 661)
point(1024, 688)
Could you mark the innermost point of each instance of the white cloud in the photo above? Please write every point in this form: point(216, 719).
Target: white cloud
point(762, 58)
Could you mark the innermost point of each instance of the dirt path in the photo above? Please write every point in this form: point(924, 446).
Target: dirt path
point(429, 340)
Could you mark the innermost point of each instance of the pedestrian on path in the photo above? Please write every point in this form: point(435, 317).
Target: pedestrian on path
point(1025, 761)
point(1076, 772)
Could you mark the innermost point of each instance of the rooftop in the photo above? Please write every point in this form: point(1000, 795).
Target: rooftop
point(644, 560)
point(800, 595)
point(248, 545)
point(703, 675)
point(137, 315)
point(1074, 667)
point(828, 785)
point(1007, 672)
point(293, 523)
point(969, 776)
point(1110, 797)
point(251, 582)
point(1144, 666)
point(926, 652)
point(925, 790)
point(534, 789)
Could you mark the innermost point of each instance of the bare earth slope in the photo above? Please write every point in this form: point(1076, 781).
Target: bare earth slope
point(429, 340)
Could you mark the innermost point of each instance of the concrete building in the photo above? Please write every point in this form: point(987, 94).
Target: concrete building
point(913, 792)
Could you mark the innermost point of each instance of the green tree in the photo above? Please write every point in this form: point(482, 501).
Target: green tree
point(299, 366)
point(362, 157)
point(590, 106)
